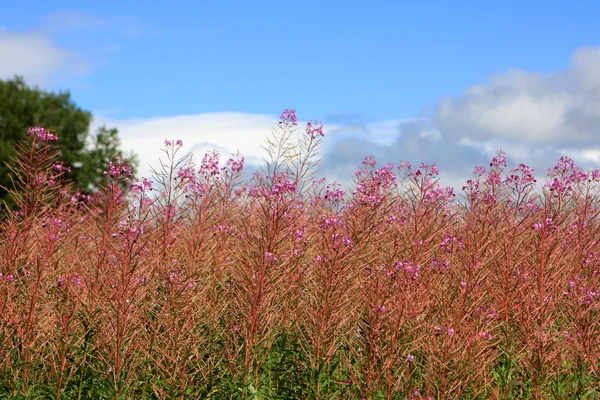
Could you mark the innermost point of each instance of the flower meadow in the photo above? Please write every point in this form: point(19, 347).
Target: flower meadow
point(200, 284)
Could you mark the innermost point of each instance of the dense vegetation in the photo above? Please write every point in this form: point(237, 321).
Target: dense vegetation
point(198, 285)
point(88, 155)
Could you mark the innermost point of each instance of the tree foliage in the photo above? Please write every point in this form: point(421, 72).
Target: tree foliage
point(88, 155)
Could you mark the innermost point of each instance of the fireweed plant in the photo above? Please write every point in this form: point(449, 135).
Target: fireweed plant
point(197, 283)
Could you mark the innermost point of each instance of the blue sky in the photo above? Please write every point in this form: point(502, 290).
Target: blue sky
point(433, 81)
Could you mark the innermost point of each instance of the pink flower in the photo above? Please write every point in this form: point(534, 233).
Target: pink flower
point(236, 164)
point(116, 169)
point(451, 243)
point(499, 161)
point(210, 164)
point(370, 161)
point(312, 130)
point(42, 134)
point(142, 186)
point(288, 117)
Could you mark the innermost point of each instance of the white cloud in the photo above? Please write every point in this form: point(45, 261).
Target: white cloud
point(562, 108)
point(535, 118)
point(513, 116)
point(71, 20)
point(226, 132)
point(585, 66)
point(36, 57)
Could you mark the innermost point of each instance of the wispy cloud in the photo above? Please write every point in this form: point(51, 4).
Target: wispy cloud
point(37, 57)
point(72, 20)
point(41, 60)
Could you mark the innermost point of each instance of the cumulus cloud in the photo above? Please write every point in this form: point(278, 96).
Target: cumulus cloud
point(562, 108)
point(535, 118)
point(415, 140)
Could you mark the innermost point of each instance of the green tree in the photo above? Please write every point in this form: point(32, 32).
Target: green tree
point(88, 155)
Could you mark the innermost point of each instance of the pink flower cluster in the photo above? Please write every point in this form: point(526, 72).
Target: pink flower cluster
point(523, 175)
point(281, 185)
point(332, 221)
point(312, 129)
point(565, 175)
point(288, 117)
point(169, 143)
point(335, 195)
point(117, 169)
point(372, 184)
point(235, 164)
point(74, 279)
point(60, 167)
point(42, 134)
point(451, 244)
point(142, 186)
point(210, 164)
